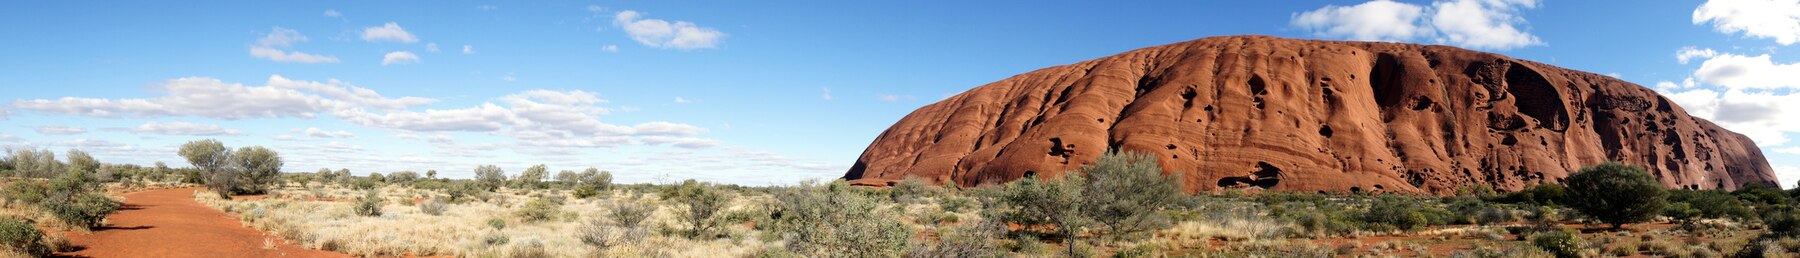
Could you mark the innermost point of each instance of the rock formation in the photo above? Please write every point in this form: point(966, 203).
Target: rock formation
point(1257, 112)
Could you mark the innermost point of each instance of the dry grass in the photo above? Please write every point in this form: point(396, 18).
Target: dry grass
point(323, 219)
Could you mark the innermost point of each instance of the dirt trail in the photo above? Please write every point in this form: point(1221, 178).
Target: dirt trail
point(169, 223)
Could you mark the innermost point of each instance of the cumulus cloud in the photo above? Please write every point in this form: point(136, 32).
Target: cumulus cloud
point(680, 100)
point(1789, 150)
point(182, 128)
point(660, 33)
point(468, 49)
point(399, 57)
point(272, 47)
point(1690, 53)
point(389, 32)
point(1788, 175)
point(539, 115)
point(681, 142)
point(60, 130)
point(321, 133)
point(1772, 19)
point(431, 47)
point(610, 48)
point(1483, 24)
point(1370, 21)
point(212, 98)
point(333, 13)
point(1748, 72)
point(1764, 116)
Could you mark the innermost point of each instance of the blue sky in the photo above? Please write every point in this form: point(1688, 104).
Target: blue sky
point(738, 91)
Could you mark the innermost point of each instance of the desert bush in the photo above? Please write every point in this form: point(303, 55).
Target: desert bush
point(1616, 194)
point(213, 161)
point(911, 189)
point(434, 207)
point(540, 209)
point(1403, 213)
point(490, 177)
point(1125, 192)
point(1562, 243)
point(1494, 214)
point(532, 178)
point(630, 214)
point(956, 203)
point(19, 236)
point(496, 223)
point(836, 221)
point(368, 205)
point(363, 184)
point(1538, 194)
point(85, 210)
point(26, 192)
point(1782, 221)
point(703, 205)
point(256, 169)
point(403, 177)
point(1055, 203)
point(464, 191)
point(1712, 204)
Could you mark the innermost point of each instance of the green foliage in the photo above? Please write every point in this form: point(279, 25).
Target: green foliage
point(629, 214)
point(464, 191)
point(434, 207)
point(1125, 192)
point(496, 223)
point(1712, 204)
point(532, 178)
point(1056, 203)
point(1562, 243)
point(912, 189)
point(368, 205)
point(257, 168)
point(837, 221)
point(21, 237)
point(364, 184)
point(212, 159)
point(26, 192)
point(965, 240)
point(1761, 195)
point(33, 163)
point(1782, 221)
point(491, 177)
point(1540, 194)
point(540, 209)
point(1403, 213)
point(1616, 194)
point(87, 210)
point(704, 204)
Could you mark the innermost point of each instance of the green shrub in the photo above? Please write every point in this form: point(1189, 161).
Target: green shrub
point(496, 223)
point(540, 209)
point(1616, 194)
point(1055, 203)
point(1782, 221)
point(586, 191)
point(363, 184)
point(704, 204)
point(21, 237)
point(956, 203)
point(911, 189)
point(26, 192)
point(434, 207)
point(965, 240)
point(1125, 192)
point(85, 210)
point(1403, 213)
point(837, 221)
point(1540, 194)
point(1712, 204)
point(1562, 243)
point(368, 205)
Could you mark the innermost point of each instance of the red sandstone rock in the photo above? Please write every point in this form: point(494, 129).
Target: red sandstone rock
point(1257, 112)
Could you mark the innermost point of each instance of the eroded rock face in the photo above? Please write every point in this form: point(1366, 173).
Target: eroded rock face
point(1255, 112)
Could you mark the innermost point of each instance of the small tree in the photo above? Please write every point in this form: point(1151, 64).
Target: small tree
point(490, 176)
point(212, 158)
point(403, 177)
point(1616, 193)
point(1125, 192)
point(533, 177)
point(431, 174)
point(258, 169)
point(704, 204)
point(1057, 203)
point(567, 178)
point(80, 161)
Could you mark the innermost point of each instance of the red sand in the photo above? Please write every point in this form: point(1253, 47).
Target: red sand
point(169, 223)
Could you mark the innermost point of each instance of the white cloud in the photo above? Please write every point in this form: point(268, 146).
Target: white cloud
point(1789, 150)
point(681, 142)
point(1748, 72)
point(60, 130)
point(487, 7)
point(1615, 75)
point(1370, 21)
point(1788, 175)
point(1667, 85)
point(610, 48)
point(321, 133)
point(389, 32)
point(1689, 53)
point(333, 13)
point(438, 138)
point(1773, 19)
point(1484, 24)
point(550, 122)
point(680, 100)
point(468, 49)
point(212, 98)
point(10, 138)
point(509, 77)
point(182, 128)
point(399, 57)
point(827, 95)
point(1763, 116)
point(431, 47)
point(660, 33)
point(893, 98)
point(271, 47)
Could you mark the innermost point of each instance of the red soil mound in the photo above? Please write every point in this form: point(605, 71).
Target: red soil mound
point(1255, 112)
point(169, 223)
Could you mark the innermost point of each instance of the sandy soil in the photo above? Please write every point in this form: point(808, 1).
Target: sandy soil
point(169, 223)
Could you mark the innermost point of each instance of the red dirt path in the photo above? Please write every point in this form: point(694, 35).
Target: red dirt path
point(169, 223)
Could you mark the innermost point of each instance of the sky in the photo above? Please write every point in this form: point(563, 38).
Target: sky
point(743, 92)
